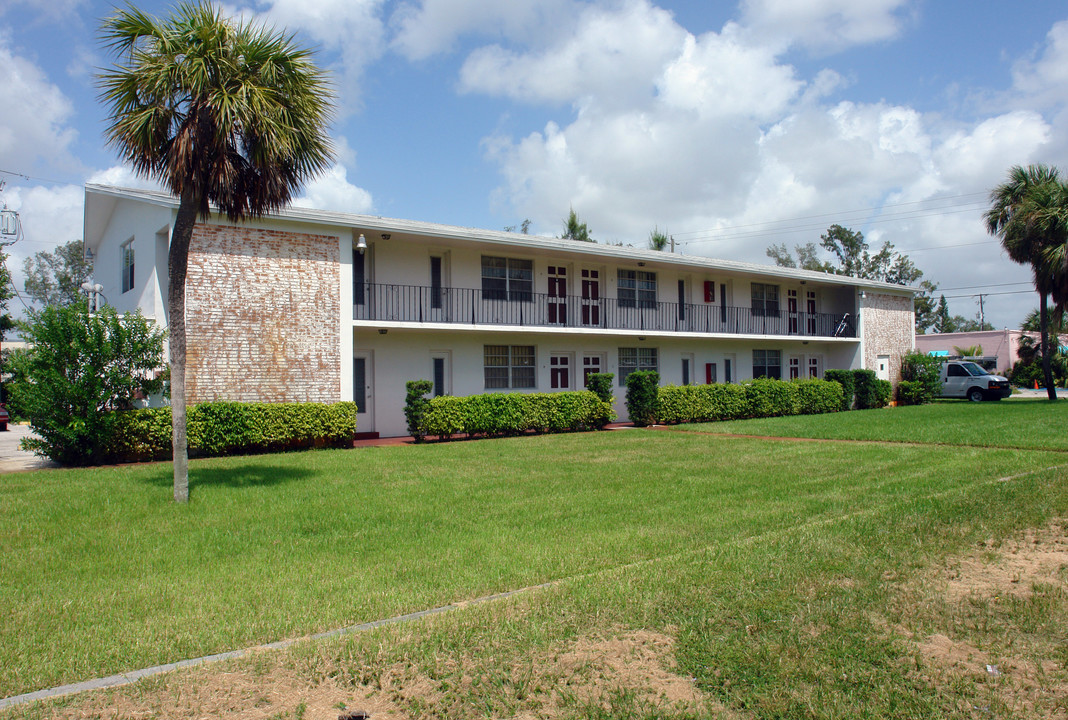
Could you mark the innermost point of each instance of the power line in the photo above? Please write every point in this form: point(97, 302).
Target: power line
point(980, 287)
point(1006, 292)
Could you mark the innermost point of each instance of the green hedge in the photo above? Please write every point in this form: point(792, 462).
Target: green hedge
point(415, 404)
point(912, 392)
point(701, 403)
point(845, 379)
point(230, 428)
point(514, 413)
point(772, 398)
point(759, 398)
point(601, 384)
point(642, 391)
point(924, 375)
point(871, 391)
point(816, 397)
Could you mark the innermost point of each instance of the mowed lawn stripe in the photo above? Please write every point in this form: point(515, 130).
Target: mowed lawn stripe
point(102, 573)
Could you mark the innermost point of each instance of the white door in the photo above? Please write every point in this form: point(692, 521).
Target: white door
point(363, 390)
point(882, 367)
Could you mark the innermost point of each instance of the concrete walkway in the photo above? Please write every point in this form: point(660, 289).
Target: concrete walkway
point(14, 460)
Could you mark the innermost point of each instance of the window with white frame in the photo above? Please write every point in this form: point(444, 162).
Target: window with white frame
point(507, 279)
point(508, 366)
point(765, 299)
point(767, 363)
point(631, 359)
point(126, 257)
point(636, 288)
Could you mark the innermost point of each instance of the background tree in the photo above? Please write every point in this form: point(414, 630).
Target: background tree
point(1029, 213)
point(523, 227)
point(77, 369)
point(658, 240)
point(808, 258)
point(220, 112)
point(851, 256)
point(55, 278)
point(575, 230)
point(1058, 321)
point(925, 307)
point(944, 322)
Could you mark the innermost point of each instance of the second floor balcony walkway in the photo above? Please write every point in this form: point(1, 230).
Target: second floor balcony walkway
point(427, 304)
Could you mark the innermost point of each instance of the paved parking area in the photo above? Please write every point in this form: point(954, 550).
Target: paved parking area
point(12, 459)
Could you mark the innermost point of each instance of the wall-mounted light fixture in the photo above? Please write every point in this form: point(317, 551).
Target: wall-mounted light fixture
point(361, 244)
point(386, 236)
point(383, 331)
point(863, 295)
point(641, 339)
point(641, 264)
point(804, 281)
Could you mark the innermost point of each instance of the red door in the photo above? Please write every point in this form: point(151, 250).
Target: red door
point(560, 372)
point(591, 297)
point(557, 295)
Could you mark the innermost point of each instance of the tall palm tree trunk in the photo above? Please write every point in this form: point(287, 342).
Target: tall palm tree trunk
point(1047, 369)
point(178, 262)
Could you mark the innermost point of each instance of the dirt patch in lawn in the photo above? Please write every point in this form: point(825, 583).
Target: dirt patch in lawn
point(565, 680)
point(1002, 644)
point(1014, 566)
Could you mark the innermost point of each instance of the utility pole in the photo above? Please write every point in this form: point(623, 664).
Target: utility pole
point(672, 243)
point(982, 318)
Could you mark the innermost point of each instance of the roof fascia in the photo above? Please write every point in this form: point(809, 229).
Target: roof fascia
point(514, 240)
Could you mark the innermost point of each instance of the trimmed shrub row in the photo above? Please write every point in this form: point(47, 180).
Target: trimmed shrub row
point(514, 413)
point(642, 396)
point(759, 398)
point(845, 379)
point(232, 428)
point(860, 388)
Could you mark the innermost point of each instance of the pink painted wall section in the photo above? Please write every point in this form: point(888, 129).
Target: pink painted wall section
point(1002, 344)
point(888, 325)
point(263, 312)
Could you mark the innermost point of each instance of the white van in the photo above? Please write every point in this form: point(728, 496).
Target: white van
point(965, 379)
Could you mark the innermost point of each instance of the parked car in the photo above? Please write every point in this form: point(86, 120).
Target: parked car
point(4, 417)
point(965, 379)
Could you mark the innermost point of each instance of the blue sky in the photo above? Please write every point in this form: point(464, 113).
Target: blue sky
point(731, 126)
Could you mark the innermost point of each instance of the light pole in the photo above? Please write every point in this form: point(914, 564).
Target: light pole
point(92, 290)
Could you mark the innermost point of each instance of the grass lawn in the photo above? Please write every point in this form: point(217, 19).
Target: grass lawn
point(1024, 423)
point(786, 575)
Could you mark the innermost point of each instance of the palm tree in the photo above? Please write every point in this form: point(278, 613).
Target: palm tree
point(1028, 212)
point(658, 240)
point(222, 113)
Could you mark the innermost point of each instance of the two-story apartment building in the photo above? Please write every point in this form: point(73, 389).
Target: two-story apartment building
point(310, 305)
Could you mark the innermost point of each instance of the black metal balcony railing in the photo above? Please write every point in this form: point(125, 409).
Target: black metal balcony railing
point(424, 304)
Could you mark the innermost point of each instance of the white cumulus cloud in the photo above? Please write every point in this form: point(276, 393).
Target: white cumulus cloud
point(34, 124)
point(428, 27)
point(332, 191)
point(824, 26)
point(615, 55)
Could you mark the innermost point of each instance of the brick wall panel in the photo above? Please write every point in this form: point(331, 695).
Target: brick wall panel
point(262, 316)
point(889, 324)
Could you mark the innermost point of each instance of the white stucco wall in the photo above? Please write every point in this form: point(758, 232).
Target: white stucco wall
point(401, 355)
